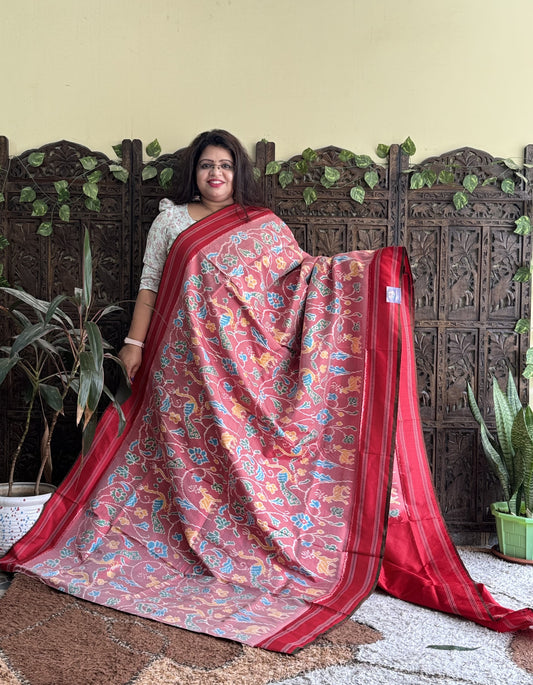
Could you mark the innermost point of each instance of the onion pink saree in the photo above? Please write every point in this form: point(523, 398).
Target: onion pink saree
point(272, 470)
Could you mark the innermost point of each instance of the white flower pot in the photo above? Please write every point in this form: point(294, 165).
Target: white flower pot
point(19, 512)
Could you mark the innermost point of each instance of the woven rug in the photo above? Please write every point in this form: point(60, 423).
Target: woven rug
point(51, 638)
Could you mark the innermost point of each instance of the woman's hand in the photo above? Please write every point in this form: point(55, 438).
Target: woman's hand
point(131, 356)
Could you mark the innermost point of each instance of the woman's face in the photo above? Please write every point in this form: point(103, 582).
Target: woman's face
point(214, 175)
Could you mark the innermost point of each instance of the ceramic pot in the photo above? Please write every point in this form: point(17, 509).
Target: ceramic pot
point(515, 533)
point(19, 512)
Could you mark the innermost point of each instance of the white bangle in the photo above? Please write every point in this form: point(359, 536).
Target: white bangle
point(131, 341)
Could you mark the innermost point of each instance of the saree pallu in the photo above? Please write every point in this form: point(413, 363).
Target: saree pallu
point(275, 412)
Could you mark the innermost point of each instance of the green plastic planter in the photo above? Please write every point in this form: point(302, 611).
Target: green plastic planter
point(515, 533)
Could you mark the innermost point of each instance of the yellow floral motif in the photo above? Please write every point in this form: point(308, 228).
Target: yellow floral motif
point(271, 487)
point(281, 263)
point(251, 282)
point(228, 440)
point(174, 418)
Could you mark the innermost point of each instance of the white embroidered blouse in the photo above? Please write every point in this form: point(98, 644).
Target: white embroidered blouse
point(168, 224)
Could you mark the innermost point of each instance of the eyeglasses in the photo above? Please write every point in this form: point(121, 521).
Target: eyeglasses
point(209, 166)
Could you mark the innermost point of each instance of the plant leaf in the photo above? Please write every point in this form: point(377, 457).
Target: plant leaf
point(165, 177)
point(309, 155)
point(64, 213)
point(346, 156)
point(460, 199)
point(470, 182)
point(357, 193)
point(92, 204)
point(87, 271)
point(309, 195)
point(285, 178)
point(371, 178)
point(39, 208)
point(417, 181)
point(62, 190)
point(408, 147)
point(363, 161)
point(119, 172)
point(27, 194)
point(153, 149)
point(36, 159)
point(149, 172)
point(332, 174)
point(51, 396)
point(89, 163)
point(508, 186)
point(446, 177)
point(90, 189)
point(429, 177)
point(522, 326)
point(301, 166)
point(45, 228)
point(382, 151)
point(523, 225)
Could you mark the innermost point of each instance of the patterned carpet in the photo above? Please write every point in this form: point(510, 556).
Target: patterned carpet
point(48, 638)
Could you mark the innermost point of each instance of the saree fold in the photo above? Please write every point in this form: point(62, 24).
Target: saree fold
point(249, 496)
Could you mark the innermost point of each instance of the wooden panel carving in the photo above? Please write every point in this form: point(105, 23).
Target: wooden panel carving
point(463, 261)
point(50, 265)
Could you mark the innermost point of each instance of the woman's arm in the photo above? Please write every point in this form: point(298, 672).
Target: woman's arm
point(131, 354)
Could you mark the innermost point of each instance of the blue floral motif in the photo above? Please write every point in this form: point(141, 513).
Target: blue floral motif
point(276, 300)
point(324, 417)
point(198, 456)
point(157, 549)
point(302, 521)
point(229, 366)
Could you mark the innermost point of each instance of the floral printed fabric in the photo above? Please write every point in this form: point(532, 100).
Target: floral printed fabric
point(249, 497)
point(232, 503)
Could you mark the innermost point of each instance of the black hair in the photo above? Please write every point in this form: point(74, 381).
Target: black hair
point(246, 190)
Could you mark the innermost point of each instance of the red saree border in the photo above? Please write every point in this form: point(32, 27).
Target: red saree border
point(364, 553)
point(68, 498)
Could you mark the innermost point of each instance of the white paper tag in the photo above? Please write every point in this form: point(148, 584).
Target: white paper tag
point(394, 295)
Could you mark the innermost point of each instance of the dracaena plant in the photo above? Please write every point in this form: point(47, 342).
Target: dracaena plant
point(59, 349)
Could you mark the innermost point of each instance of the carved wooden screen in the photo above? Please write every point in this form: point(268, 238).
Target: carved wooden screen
point(47, 266)
point(462, 261)
point(334, 222)
point(467, 305)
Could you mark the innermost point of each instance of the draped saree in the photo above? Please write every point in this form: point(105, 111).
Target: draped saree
point(272, 470)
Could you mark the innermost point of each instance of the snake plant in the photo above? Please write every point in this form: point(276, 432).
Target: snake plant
point(510, 453)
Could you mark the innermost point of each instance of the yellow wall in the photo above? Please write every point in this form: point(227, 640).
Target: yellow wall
point(352, 73)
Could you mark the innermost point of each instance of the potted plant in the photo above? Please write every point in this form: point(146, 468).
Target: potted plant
point(58, 350)
point(510, 452)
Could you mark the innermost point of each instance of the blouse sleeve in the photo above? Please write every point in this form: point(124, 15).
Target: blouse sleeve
point(171, 220)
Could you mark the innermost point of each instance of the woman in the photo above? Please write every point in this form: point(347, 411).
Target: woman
point(218, 173)
point(249, 494)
